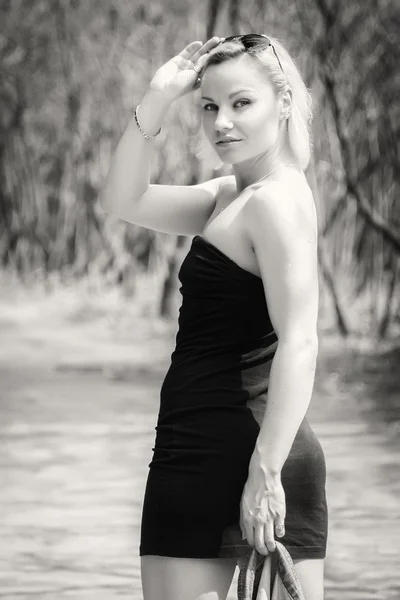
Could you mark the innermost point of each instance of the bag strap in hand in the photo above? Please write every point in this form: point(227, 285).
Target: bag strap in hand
point(284, 569)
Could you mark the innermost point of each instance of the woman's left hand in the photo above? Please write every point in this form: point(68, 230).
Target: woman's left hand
point(262, 507)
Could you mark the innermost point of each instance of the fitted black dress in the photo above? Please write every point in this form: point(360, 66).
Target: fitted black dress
point(211, 405)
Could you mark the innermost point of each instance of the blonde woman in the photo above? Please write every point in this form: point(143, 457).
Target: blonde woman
point(235, 461)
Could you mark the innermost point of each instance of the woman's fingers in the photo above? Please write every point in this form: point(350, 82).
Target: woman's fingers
point(204, 49)
point(198, 47)
point(196, 55)
point(261, 520)
point(280, 526)
point(249, 533)
point(261, 535)
point(269, 538)
point(209, 44)
point(264, 540)
point(190, 49)
point(259, 538)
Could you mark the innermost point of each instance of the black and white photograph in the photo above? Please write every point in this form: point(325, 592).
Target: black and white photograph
point(199, 300)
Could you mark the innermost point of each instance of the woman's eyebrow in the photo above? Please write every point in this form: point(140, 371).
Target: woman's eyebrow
point(230, 95)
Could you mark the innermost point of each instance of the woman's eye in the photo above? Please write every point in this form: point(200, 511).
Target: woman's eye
point(205, 107)
point(240, 101)
point(239, 104)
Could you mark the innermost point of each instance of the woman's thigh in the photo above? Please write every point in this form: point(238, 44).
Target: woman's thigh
point(169, 578)
point(310, 572)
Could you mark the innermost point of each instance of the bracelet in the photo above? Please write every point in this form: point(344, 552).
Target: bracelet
point(144, 134)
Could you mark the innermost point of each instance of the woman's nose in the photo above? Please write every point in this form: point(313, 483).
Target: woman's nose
point(222, 122)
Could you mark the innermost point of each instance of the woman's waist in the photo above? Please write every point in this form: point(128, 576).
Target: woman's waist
point(218, 373)
point(212, 435)
point(208, 339)
point(225, 417)
point(179, 413)
point(210, 428)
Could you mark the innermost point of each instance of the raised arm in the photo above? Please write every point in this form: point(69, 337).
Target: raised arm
point(127, 192)
point(128, 175)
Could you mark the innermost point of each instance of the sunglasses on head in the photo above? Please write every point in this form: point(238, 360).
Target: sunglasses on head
point(252, 40)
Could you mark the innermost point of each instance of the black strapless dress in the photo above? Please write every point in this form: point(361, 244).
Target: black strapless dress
point(212, 402)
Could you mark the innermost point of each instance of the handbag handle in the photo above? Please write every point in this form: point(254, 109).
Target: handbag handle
point(284, 569)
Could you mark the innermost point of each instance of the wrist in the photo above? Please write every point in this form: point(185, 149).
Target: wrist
point(270, 467)
point(151, 113)
point(154, 94)
point(261, 479)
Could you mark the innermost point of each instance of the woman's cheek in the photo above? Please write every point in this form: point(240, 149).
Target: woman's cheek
point(265, 123)
point(254, 118)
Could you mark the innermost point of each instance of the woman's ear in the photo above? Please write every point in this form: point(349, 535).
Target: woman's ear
point(286, 101)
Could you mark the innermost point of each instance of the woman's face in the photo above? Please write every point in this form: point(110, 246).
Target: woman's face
point(238, 103)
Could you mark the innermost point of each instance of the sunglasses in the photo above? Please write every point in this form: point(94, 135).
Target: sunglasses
point(252, 40)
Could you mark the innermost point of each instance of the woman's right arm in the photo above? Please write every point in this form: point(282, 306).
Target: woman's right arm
point(129, 172)
point(127, 192)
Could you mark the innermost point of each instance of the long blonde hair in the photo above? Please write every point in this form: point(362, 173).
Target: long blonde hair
point(300, 119)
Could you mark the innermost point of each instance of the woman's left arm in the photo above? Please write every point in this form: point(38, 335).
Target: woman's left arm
point(281, 228)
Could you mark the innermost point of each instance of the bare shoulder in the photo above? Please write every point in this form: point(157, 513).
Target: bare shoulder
point(281, 226)
point(284, 206)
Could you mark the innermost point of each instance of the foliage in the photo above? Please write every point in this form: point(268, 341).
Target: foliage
point(72, 72)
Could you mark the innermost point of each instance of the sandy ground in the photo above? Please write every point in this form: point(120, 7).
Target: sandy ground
point(80, 377)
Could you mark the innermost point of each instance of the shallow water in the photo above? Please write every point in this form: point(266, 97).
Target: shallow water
point(75, 447)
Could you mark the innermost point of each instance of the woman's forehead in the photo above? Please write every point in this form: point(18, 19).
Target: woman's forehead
point(231, 75)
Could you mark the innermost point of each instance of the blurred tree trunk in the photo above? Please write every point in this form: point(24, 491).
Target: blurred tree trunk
point(71, 76)
point(341, 322)
point(339, 36)
point(171, 281)
point(324, 46)
point(214, 7)
point(388, 314)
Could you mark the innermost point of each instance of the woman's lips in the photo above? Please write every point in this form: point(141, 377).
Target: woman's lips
point(227, 142)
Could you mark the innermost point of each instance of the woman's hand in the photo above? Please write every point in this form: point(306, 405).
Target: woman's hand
point(177, 77)
point(262, 507)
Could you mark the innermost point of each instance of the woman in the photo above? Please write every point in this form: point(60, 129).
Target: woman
point(235, 461)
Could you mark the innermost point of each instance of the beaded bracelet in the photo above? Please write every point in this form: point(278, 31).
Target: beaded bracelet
point(145, 135)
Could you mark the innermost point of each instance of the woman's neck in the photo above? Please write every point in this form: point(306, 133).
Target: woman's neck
point(252, 170)
point(246, 178)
